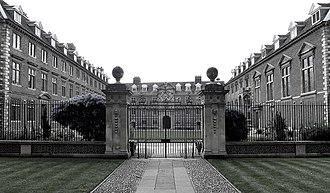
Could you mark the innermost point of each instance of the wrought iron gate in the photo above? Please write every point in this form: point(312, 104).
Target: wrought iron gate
point(166, 130)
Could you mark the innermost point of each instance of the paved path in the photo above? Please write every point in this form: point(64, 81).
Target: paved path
point(165, 176)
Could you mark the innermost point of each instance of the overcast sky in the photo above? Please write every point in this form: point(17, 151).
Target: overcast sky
point(167, 40)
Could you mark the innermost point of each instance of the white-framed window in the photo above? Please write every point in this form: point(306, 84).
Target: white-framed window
point(154, 87)
point(276, 44)
point(16, 41)
point(257, 89)
point(90, 81)
point(71, 90)
point(17, 17)
point(77, 90)
point(83, 74)
point(54, 85)
point(15, 110)
point(44, 82)
point(63, 88)
point(263, 53)
point(293, 32)
point(75, 57)
point(55, 65)
point(71, 70)
point(65, 50)
point(307, 74)
point(63, 66)
point(53, 42)
point(270, 86)
point(134, 88)
point(37, 31)
point(15, 77)
point(316, 17)
point(188, 87)
point(144, 88)
point(77, 73)
point(198, 87)
point(178, 87)
point(32, 50)
point(32, 78)
point(44, 56)
point(286, 90)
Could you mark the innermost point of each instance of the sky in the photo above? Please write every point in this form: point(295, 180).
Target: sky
point(166, 40)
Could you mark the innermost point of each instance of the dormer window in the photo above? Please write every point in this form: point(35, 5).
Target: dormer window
point(17, 17)
point(154, 87)
point(178, 87)
point(144, 88)
point(134, 88)
point(198, 87)
point(188, 87)
point(263, 53)
point(316, 17)
point(65, 50)
point(37, 31)
point(276, 44)
point(293, 33)
point(75, 58)
point(53, 42)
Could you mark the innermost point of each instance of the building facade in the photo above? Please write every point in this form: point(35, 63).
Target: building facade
point(35, 68)
point(180, 101)
point(294, 68)
point(288, 80)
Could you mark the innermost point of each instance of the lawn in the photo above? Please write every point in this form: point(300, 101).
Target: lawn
point(277, 174)
point(53, 174)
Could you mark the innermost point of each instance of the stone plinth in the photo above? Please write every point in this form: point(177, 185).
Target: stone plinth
point(214, 118)
point(117, 97)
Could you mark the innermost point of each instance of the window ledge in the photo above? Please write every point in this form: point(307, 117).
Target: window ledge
point(18, 85)
point(286, 98)
point(17, 49)
point(308, 93)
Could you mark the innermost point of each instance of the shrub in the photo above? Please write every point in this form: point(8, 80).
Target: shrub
point(85, 114)
point(236, 125)
point(316, 133)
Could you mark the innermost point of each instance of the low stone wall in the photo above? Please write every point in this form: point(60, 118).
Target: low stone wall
point(278, 149)
point(52, 148)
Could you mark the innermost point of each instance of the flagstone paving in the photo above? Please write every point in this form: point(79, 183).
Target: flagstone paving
point(166, 176)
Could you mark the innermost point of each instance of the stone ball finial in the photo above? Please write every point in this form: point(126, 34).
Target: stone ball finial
point(117, 73)
point(212, 73)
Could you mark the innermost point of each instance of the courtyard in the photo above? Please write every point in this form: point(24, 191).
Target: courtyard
point(84, 174)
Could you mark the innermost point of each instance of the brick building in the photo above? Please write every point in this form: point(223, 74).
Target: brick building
point(293, 69)
point(35, 68)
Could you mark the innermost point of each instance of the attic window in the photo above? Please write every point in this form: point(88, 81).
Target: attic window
point(144, 88)
point(188, 87)
point(37, 31)
point(134, 88)
point(316, 17)
point(263, 53)
point(52, 41)
point(65, 50)
point(17, 17)
point(75, 58)
point(178, 87)
point(293, 32)
point(276, 44)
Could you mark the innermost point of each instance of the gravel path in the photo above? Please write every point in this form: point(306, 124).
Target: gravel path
point(207, 179)
point(125, 178)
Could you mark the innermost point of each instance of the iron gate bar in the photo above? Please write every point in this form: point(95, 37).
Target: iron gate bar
point(147, 129)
